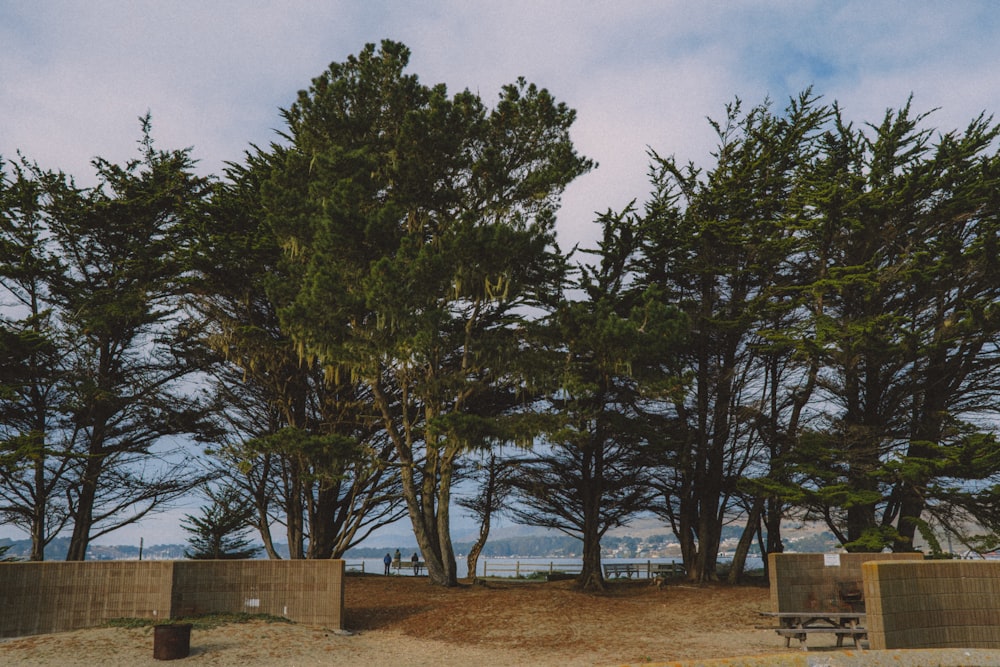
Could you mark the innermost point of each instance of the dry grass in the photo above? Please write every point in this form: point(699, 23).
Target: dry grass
point(405, 621)
point(632, 622)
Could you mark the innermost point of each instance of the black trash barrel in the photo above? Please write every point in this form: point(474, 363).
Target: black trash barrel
point(171, 641)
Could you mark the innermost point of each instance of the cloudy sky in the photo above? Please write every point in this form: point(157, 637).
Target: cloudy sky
point(76, 75)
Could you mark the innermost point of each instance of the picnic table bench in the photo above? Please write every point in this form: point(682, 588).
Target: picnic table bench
point(799, 625)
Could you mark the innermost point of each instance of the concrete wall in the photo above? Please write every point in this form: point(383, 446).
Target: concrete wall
point(807, 582)
point(305, 591)
point(45, 597)
point(933, 604)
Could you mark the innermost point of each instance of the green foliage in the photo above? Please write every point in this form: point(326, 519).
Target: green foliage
point(299, 437)
point(874, 540)
point(722, 246)
point(980, 544)
point(901, 223)
point(96, 354)
point(840, 297)
point(33, 459)
point(4, 548)
point(418, 227)
point(932, 541)
point(611, 354)
point(807, 326)
point(337, 450)
point(121, 247)
point(199, 622)
point(220, 532)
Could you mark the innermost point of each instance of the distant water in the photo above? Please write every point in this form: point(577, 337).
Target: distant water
point(510, 567)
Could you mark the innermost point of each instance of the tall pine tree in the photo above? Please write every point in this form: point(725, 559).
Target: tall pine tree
point(423, 227)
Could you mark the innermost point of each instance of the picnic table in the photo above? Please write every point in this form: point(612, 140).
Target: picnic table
point(800, 624)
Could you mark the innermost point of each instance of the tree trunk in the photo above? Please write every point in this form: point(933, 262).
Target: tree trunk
point(472, 560)
point(262, 502)
point(295, 530)
point(912, 503)
point(772, 521)
point(591, 575)
point(38, 512)
point(426, 497)
point(80, 539)
point(685, 532)
point(444, 526)
point(427, 530)
point(484, 506)
point(265, 536)
point(746, 539)
point(322, 522)
point(708, 547)
point(861, 517)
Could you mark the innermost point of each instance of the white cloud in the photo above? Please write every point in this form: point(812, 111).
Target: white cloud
point(76, 76)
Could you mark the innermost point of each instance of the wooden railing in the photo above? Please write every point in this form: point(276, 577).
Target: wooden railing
point(526, 568)
point(516, 568)
point(519, 569)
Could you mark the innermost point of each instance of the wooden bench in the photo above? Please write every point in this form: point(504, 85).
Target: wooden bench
point(417, 567)
point(666, 569)
point(621, 569)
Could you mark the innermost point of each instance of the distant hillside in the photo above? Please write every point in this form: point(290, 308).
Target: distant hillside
point(529, 546)
point(57, 549)
point(646, 544)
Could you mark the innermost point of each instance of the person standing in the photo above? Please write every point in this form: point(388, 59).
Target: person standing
point(388, 561)
point(416, 563)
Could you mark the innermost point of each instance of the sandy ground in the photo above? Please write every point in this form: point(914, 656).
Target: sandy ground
point(404, 621)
